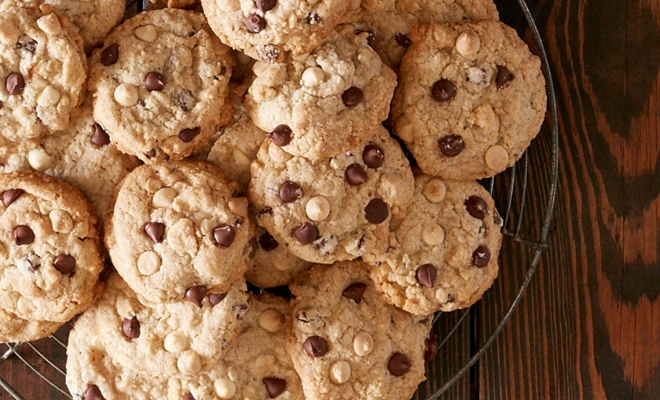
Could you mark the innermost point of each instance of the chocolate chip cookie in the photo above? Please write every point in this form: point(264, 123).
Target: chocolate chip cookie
point(14, 329)
point(471, 98)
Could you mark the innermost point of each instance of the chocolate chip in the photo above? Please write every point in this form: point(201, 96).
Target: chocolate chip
point(224, 235)
point(402, 40)
point(9, 195)
point(315, 346)
point(29, 45)
point(497, 220)
point(154, 81)
point(481, 256)
point(314, 19)
point(306, 233)
point(371, 37)
point(196, 295)
point(355, 175)
point(426, 275)
point(265, 5)
point(451, 145)
point(355, 291)
point(267, 242)
point(216, 298)
point(373, 156)
point(255, 23)
point(65, 264)
point(23, 235)
point(99, 136)
point(155, 230)
point(131, 328)
point(290, 192)
point(110, 54)
point(150, 153)
point(431, 347)
point(352, 96)
point(93, 393)
point(14, 83)
point(281, 135)
point(443, 90)
point(189, 396)
point(477, 207)
point(274, 386)
point(398, 364)
point(504, 76)
point(187, 135)
point(376, 211)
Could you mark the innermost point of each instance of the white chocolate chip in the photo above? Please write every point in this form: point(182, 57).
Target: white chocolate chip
point(126, 95)
point(48, 97)
point(39, 159)
point(435, 190)
point(164, 197)
point(404, 129)
point(317, 208)
point(175, 342)
point(224, 388)
point(148, 263)
point(154, 184)
point(61, 221)
point(240, 158)
point(238, 205)
point(468, 43)
point(363, 343)
point(271, 320)
point(189, 363)
point(50, 24)
point(277, 154)
point(340, 372)
point(497, 158)
point(433, 234)
point(301, 58)
point(118, 282)
point(146, 33)
point(485, 118)
point(24, 305)
point(313, 77)
point(260, 67)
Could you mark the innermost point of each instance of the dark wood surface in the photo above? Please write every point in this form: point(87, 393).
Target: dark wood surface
point(588, 327)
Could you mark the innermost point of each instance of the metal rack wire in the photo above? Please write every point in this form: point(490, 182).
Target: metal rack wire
point(46, 358)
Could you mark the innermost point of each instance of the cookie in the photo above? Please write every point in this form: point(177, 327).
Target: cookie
point(324, 103)
point(176, 225)
point(442, 254)
point(15, 330)
point(333, 209)
point(346, 342)
point(178, 338)
point(269, 30)
point(49, 249)
point(470, 99)
point(160, 84)
point(43, 68)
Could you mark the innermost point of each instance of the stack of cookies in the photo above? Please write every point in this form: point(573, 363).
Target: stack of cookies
point(209, 156)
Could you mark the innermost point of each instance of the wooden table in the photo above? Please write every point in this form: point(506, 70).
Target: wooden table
point(588, 327)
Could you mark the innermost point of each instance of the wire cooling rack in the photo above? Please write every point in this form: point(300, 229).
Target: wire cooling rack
point(461, 343)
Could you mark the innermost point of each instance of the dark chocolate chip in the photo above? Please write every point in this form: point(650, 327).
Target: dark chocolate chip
point(30, 45)
point(274, 386)
point(398, 364)
point(155, 230)
point(355, 291)
point(290, 192)
point(150, 153)
point(431, 347)
point(189, 396)
point(314, 19)
point(426, 275)
point(373, 156)
point(154, 82)
point(9, 195)
point(196, 295)
point(224, 235)
point(504, 76)
point(281, 135)
point(216, 298)
point(315, 346)
point(265, 5)
point(451, 145)
point(14, 83)
point(93, 393)
point(497, 220)
point(23, 235)
point(65, 264)
point(267, 242)
point(443, 90)
point(255, 23)
point(402, 40)
point(477, 207)
point(481, 256)
point(131, 328)
point(371, 37)
point(99, 136)
point(376, 211)
point(306, 233)
point(110, 54)
point(187, 135)
point(352, 96)
point(355, 175)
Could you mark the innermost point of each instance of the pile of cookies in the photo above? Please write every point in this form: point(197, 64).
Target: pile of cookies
point(161, 174)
